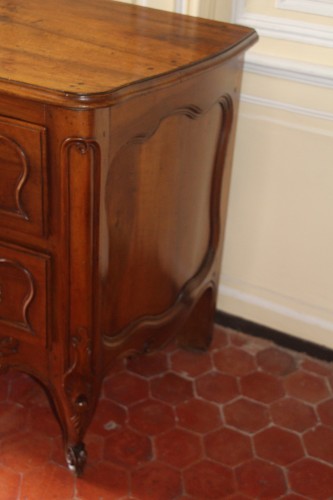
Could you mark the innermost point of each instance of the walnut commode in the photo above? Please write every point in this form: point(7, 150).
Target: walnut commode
point(116, 136)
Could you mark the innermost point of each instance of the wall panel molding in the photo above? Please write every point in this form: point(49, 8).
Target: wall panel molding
point(284, 29)
point(283, 106)
point(318, 7)
point(288, 69)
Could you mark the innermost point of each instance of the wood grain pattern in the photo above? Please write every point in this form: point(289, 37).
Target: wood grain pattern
point(94, 52)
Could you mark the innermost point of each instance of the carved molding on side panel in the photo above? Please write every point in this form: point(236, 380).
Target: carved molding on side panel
point(205, 272)
point(14, 205)
point(17, 291)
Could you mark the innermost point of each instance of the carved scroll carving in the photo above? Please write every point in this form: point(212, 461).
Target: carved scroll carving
point(14, 171)
point(76, 380)
point(14, 308)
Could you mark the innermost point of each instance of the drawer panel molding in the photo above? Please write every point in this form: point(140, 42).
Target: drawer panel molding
point(23, 187)
point(23, 294)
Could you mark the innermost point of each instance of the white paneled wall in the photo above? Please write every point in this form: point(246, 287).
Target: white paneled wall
point(278, 260)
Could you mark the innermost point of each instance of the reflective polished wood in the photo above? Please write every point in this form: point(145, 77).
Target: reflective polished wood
point(116, 134)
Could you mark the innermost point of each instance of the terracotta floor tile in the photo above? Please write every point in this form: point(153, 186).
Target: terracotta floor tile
point(178, 448)
point(319, 443)
point(293, 496)
point(48, 481)
point(10, 483)
point(24, 451)
point(312, 478)
point(151, 417)
point(245, 420)
point(102, 481)
point(215, 386)
point(199, 416)
point(320, 368)
point(234, 361)
point(26, 391)
point(126, 388)
point(171, 388)
point(293, 414)
point(209, 480)
point(246, 415)
point(279, 446)
point(156, 482)
point(42, 420)
point(260, 479)
point(276, 361)
point(190, 363)
point(307, 387)
point(325, 411)
point(108, 416)
point(262, 387)
point(127, 447)
point(228, 447)
point(12, 417)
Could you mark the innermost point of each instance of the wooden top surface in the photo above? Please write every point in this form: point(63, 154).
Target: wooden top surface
point(92, 51)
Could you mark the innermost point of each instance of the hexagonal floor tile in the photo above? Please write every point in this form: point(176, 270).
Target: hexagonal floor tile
point(325, 411)
point(178, 448)
point(156, 481)
point(262, 387)
point(199, 416)
point(276, 361)
point(151, 417)
point(127, 447)
point(234, 361)
point(190, 364)
point(215, 386)
point(171, 388)
point(103, 480)
point(307, 387)
point(311, 478)
point(259, 479)
point(246, 415)
point(279, 446)
point(208, 480)
point(48, 478)
point(10, 483)
point(126, 388)
point(319, 443)
point(229, 447)
point(293, 414)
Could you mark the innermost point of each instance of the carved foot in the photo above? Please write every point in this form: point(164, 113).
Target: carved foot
point(76, 457)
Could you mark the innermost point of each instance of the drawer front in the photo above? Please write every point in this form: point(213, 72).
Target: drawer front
point(23, 297)
point(23, 182)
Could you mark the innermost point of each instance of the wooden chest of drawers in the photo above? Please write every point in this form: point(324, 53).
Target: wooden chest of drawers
point(116, 136)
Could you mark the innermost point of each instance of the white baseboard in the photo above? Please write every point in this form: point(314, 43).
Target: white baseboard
point(275, 308)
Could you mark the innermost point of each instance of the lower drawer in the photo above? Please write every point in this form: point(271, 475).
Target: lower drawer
point(23, 298)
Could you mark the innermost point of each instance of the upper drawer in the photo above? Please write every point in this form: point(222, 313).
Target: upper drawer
point(22, 177)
